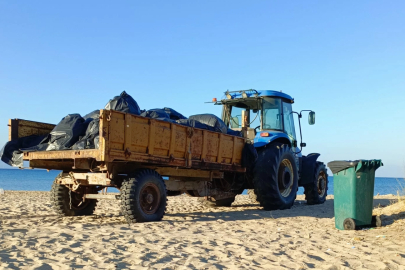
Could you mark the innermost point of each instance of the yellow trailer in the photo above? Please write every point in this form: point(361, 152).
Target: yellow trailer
point(134, 155)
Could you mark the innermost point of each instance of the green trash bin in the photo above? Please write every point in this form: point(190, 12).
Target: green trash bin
point(353, 189)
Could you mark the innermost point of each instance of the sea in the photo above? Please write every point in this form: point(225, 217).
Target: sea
point(41, 180)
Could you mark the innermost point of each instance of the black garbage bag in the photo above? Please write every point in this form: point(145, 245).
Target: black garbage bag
point(87, 142)
point(212, 121)
point(64, 135)
point(123, 103)
point(174, 114)
point(11, 152)
point(234, 133)
point(91, 116)
point(96, 142)
point(167, 120)
point(155, 113)
point(194, 123)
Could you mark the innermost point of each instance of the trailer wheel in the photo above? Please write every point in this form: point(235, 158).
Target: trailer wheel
point(275, 177)
point(316, 192)
point(72, 204)
point(252, 195)
point(143, 197)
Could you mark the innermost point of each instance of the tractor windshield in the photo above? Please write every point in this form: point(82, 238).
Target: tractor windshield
point(272, 113)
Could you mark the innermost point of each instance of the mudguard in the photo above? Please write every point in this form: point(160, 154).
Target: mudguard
point(307, 168)
point(273, 136)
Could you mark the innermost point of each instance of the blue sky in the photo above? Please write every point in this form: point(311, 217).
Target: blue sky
point(343, 59)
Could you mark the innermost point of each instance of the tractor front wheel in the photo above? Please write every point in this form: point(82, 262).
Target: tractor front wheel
point(316, 192)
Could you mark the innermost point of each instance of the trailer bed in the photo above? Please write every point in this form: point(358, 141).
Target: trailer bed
point(129, 139)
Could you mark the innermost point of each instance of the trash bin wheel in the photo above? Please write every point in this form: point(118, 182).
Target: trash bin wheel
point(143, 197)
point(275, 177)
point(349, 224)
point(376, 221)
point(316, 192)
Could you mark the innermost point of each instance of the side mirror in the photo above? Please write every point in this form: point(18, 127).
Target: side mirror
point(311, 118)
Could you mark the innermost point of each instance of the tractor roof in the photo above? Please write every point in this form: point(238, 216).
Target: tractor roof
point(257, 93)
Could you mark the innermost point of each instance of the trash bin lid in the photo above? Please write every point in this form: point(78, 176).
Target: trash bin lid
point(340, 165)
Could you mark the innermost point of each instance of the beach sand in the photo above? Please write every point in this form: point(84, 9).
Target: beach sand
point(192, 236)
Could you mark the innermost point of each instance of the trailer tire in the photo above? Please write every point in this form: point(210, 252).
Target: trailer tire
point(316, 192)
point(143, 197)
point(60, 201)
point(275, 177)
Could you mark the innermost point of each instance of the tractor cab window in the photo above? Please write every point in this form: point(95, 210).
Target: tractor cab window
point(252, 117)
point(272, 114)
point(288, 121)
point(236, 117)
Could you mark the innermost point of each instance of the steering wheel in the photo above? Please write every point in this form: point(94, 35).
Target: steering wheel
point(256, 130)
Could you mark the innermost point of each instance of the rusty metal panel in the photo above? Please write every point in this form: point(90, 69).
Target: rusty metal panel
point(225, 150)
point(162, 138)
point(117, 131)
point(140, 134)
point(19, 128)
point(180, 141)
point(94, 179)
point(152, 140)
point(191, 173)
point(104, 135)
point(64, 154)
point(212, 146)
point(197, 144)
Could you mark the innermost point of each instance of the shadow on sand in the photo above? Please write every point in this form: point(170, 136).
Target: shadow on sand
point(250, 212)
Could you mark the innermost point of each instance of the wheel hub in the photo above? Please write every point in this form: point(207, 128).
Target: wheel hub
point(150, 198)
point(321, 184)
point(285, 178)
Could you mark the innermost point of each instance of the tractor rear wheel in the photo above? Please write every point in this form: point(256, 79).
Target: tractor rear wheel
point(71, 203)
point(316, 192)
point(275, 177)
point(143, 197)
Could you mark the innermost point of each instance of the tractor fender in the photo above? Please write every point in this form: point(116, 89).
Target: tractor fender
point(307, 168)
point(273, 137)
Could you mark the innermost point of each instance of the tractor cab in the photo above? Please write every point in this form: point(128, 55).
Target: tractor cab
point(266, 119)
point(263, 116)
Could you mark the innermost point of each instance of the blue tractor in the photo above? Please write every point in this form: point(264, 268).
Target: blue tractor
point(266, 119)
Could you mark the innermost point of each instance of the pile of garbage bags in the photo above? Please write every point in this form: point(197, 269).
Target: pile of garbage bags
point(75, 132)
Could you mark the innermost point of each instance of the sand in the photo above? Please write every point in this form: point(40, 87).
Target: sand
point(192, 236)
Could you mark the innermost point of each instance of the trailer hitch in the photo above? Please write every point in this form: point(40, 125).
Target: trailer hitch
point(76, 184)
